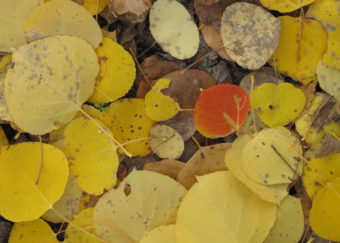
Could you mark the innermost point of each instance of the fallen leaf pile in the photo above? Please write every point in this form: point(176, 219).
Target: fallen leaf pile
point(110, 150)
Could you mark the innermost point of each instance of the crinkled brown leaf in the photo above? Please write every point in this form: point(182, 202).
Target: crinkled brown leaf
point(206, 160)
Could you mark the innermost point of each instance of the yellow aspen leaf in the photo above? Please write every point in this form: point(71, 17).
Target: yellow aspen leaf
point(45, 92)
point(272, 156)
point(4, 115)
point(117, 72)
point(160, 107)
point(173, 28)
point(3, 138)
point(221, 209)
point(278, 105)
point(289, 224)
point(326, 12)
point(67, 205)
point(285, 6)
point(329, 79)
point(332, 55)
point(295, 57)
point(164, 234)
point(82, 220)
point(13, 15)
point(205, 160)
point(269, 193)
point(166, 142)
point(319, 169)
point(4, 61)
point(249, 51)
point(32, 231)
point(29, 185)
point(143, 201)
point(92, 155)
point(128, 121)
point(325, 212)
point(94, 6)
point(62, 17)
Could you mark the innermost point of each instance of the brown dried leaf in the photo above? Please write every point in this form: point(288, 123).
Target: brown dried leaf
point(210, 14)
point(330, 145)
point(168, 167)
point(183, 123)
point(133, 11)
point(206, 160)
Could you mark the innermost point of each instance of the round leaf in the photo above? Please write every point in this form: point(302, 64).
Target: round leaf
point(33, 231)
point(166, 142)
point(271, 157)
point(289, 225)
point(173, 28)
point(325, 212)
point(92, 155)
point(270, 193)
point(220, 209)
point(29, 185)
point(319, 169)
point(49, 81)
point(117, 72)
point(297, 57)
point(13, 15)
point(143, 201)
point(326, 12)
point(62, 17)
point(277, 105)
point(329, 79)
point(249, 50)
point(221, 110)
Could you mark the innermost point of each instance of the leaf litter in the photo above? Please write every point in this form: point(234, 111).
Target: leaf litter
point(256, 170)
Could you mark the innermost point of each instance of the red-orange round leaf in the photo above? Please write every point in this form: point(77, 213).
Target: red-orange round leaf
point(220, 110)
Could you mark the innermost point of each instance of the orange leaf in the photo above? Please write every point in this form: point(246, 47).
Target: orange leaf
point(221, 110)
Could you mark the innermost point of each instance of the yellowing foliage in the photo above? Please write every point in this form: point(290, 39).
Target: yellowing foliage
point(318, 170)
point(143, 201)
point(30, 184)
point(325, 212)
point(332, 55)
point(295, 57)
point(329, 79)
point(13, 15)
point(160, 107)
point(289, 224)
point(164, 234)
point(32, 231)
point(270, 193)
point(272, 156)
point(82, 220)
point(249, 51)
point(220, 209)
point(92, 155)
point(49, 82)
point(128, 121)
point(94, 6)
point(67, 205)
point(62, 17)
point(285, 6)
point(3, 138)
point(277, 105)
point(166, 142)
point(173, 28)
point(117, 72)
point(326, 11)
